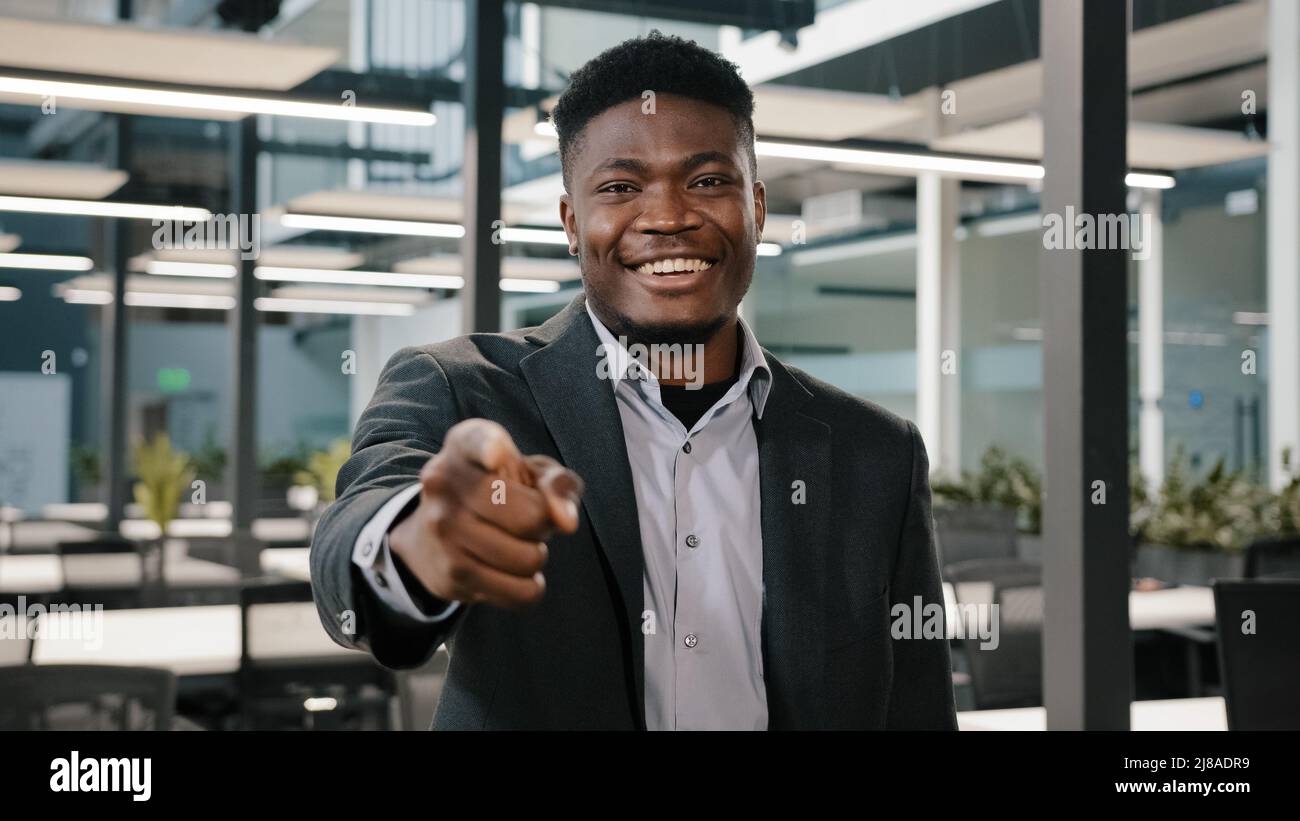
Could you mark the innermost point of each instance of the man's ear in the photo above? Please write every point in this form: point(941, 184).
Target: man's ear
point(760, 207)
point(569, 219)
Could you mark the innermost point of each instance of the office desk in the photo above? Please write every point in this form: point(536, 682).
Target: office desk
point(189, 641)
point(43, 573)
point(289, 562)
point(1168, 714)
point(1176, 607)
point(290, 529)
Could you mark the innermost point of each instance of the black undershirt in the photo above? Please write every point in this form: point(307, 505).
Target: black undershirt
point(688, 403)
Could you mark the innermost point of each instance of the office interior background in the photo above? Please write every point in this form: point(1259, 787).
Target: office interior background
point(172, 414)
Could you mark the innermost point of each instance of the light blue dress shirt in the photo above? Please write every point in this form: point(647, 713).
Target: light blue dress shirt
point(697, 495)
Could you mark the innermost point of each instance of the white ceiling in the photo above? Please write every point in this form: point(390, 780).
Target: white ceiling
point(183, 56)
point(1150, 145)
point(49, 178)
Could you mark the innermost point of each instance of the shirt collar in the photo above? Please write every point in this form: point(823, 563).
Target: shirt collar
point(755, 375)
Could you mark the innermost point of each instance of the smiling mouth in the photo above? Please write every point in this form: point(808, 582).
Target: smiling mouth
point(677, 265)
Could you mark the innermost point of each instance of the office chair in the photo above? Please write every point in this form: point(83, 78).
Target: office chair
point(86, 697)
point(1273, 558)
point(1260, 668)
point(966, 533)
point(288, 687)
point(1010, 675)
point(107, 569)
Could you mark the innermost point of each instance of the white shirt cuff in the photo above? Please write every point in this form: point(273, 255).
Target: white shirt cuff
point(371, 554)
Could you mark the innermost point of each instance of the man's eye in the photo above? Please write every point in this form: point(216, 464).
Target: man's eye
point(617, 188)
point(711, 182)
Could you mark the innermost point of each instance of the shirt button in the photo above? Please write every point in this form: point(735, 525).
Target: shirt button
point(367, 549)
point(691, 640)
point(380, 580)
point(692, 541)
point(686, 448)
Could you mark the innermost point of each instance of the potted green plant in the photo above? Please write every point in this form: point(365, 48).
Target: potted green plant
point(319, 477)
point(163, 476)
point(1194, 530)
point(1004, 495)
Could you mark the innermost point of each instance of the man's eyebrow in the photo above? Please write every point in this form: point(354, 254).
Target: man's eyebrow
point(641, 167)
point(624, 164)
point(704, 158)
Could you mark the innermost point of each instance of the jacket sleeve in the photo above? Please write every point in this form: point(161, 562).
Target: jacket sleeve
point(921, 695)
point(404, 424)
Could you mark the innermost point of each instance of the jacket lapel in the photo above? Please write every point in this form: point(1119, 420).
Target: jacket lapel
point(794, 457)
point(582, 416)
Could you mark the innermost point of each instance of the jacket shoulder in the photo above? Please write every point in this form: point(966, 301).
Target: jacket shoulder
point(471, 352)
point(860, 419)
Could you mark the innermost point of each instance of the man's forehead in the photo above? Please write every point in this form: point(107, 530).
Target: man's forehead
point(680, 131)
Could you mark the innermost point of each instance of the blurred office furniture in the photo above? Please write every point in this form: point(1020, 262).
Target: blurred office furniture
point(86, 697)
point(1159, 715)
point(286, 685)
point(289, 562)
point(1010, 674)
point(1259, 652)
point(192, 642)
point(15, 638)
point(974, 532)
point(1273, 558)
point(108, 570)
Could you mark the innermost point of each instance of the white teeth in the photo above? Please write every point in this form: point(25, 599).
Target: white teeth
point(665, 266)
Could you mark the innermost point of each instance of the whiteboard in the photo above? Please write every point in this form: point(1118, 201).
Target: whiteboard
point(35, 429)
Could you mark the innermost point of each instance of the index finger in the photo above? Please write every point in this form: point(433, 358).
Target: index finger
point(489, 446)
point(561, 487)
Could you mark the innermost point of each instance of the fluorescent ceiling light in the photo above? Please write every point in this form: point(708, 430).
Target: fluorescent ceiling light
point(855, 250)
point(414, 228)
point(205, 101)
point(529, 286)
point(146, 299)
point(542, 236)
point(189, 269)
point(905, 163)
point(417, 228)
point(86, 296)
point(319, 275)
point(90, 208)
point(769, 249)
point(149, 299)
point(46, 262)
point(8, 294)
point(1140, 180)
point(332, 306)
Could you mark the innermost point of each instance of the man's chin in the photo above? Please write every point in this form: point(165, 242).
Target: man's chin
point(669, 330)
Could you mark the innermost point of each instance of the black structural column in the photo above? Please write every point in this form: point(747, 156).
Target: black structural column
point(242, 468)
point(114, 387)
point(1087, 646)
point(483, 95)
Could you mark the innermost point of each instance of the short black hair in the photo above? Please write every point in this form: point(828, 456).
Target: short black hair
point(664, 64)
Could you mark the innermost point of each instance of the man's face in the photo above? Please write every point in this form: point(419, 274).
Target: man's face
point(666, 217)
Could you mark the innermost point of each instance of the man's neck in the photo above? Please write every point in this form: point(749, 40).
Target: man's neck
point(681, 364)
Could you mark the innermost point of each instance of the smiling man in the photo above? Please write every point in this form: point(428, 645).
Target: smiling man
point(603, 542)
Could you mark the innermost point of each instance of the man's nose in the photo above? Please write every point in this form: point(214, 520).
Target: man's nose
point(667, 212)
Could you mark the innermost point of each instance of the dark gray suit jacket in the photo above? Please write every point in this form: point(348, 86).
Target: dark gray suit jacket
point(836, 557)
